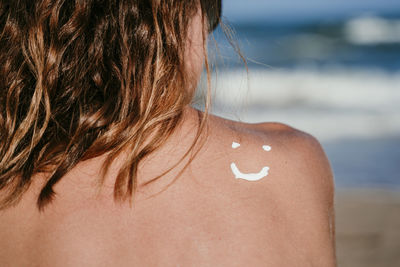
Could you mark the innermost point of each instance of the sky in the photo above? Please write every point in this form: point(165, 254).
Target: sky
point(244, 10)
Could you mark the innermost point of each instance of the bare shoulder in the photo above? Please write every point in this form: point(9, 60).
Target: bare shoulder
point(301, 155)
point(296, 159)
point(300, 182)
point(304, 176)
point(291, 152)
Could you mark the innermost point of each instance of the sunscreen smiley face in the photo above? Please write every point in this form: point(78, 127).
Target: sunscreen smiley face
point(249, 176)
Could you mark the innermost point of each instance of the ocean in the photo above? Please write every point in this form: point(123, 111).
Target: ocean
point(337, 79)
point(366, 40)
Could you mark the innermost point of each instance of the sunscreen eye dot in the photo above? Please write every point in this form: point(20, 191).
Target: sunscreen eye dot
point(267, 148)
point(235, 145)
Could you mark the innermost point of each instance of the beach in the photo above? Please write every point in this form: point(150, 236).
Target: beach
point(367, 227)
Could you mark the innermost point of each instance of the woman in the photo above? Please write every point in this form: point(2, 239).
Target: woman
point(104, 163)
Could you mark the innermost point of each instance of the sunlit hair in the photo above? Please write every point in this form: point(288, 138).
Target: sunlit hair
point(81, 78)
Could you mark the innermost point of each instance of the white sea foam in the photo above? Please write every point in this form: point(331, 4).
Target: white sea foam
point(330, 104)
point(372, 30)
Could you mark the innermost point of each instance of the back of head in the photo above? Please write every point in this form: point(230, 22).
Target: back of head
point(82, 78)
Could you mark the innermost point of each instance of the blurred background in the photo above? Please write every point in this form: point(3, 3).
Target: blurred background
point(332, 69)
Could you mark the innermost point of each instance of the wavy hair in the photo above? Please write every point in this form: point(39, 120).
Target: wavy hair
point(80, 78)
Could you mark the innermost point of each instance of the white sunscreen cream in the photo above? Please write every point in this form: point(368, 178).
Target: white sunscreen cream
point(267, 148)
point(235, 145)
point(249, 176)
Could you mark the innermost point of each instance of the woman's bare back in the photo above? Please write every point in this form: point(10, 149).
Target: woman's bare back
point(207, 217)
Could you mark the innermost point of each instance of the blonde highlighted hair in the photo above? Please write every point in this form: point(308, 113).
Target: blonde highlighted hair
point(80, 78)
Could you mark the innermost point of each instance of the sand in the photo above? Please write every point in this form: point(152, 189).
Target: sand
point(368, 227)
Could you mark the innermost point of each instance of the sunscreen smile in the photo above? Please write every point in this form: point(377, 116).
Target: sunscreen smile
point(249, 176)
